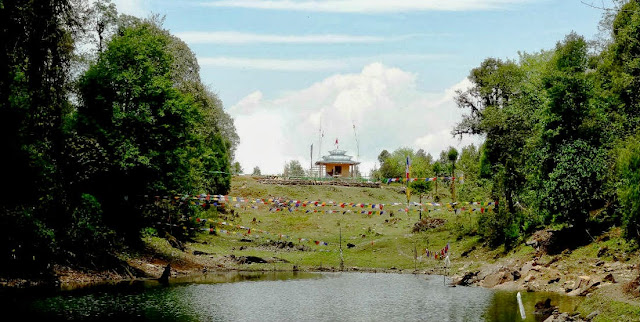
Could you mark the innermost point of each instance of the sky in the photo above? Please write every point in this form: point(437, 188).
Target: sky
point(370, 74)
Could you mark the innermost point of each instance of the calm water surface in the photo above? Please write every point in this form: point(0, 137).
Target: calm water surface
point(281, 297)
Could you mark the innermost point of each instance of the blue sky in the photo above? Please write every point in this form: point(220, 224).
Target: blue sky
point(286, 68)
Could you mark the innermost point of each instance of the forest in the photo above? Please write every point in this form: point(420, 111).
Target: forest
point(562, 137)
point(100, 112)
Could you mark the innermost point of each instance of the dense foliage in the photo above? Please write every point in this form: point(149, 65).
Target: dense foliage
point(92, 134)
point(556, 124)
point(561, 129)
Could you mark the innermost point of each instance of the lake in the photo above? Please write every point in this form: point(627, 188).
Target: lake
point(280, 296)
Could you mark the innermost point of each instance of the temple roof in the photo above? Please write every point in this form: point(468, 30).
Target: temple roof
point(337, 157)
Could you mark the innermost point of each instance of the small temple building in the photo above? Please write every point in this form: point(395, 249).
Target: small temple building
point(337, 164)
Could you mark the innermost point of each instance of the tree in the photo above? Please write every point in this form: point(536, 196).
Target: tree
point(628, 169)
point(494, 86)
point(452, 156)
point(572, 161)
point(383, 156)
point(237, 168)
point(149, 117)
point(437, 170)
point(498, 105)
point(472, 187)
point(35, 50)
point(421, 187)
point(293, 169)
point(256, 171)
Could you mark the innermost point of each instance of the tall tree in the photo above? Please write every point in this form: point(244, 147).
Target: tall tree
point(35, 52)
point(143, 105)
point(572, 161)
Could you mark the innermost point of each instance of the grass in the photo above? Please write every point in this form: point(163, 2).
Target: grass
point(381, 241)
point(611, 305)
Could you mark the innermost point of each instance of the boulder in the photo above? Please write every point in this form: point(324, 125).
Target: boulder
point(609, 278)
point(468, 279)
point(497, 278)
point(250, 260)
point(544, 309)
point(516, 275)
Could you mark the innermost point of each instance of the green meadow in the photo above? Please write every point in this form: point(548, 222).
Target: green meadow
point(372, 238)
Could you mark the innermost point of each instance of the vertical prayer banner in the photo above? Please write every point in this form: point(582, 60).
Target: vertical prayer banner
point(407, 175)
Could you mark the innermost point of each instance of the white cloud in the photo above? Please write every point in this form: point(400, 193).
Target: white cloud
point(234, 37)
point(382, 102)
point(293, 65)
point(138, 8)
point(367, 6)
point(273, 64)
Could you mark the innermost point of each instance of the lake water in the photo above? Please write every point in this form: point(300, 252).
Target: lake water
point(277, 296)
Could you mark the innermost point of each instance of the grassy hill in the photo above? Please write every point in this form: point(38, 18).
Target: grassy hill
point(386, 241)
point(379, 239)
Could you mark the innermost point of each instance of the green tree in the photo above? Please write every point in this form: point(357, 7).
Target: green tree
point(293, 169)
point(472, 186)
point(572, 161)
point(35, 51)
point(422, 188)
point(628, 169)
point(625, 62)
point(438, 169)
point(256, 171)
point(237, 168)
point(140, 108)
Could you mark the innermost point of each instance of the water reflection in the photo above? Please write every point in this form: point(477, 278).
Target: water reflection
point(270, 296)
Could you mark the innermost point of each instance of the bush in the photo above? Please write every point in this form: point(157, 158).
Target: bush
point(500, 227)
point(628, 167)
point(88, 233)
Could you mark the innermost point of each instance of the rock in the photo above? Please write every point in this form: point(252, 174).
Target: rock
point(553, 260)
point(584, 281)
point(562, 317)
point(175, 243)
point(569, 286)
point(516, 275)
point(467, 252)
point(532, 243)
point(497, 279)
point(553, 280)
point(609, 278)
point(529, 277)
point(527, 267)
point(250, 260)
point(603, 251)
point(166, 274)
point(544, 309)
point(592, 315)
point(467, 279)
